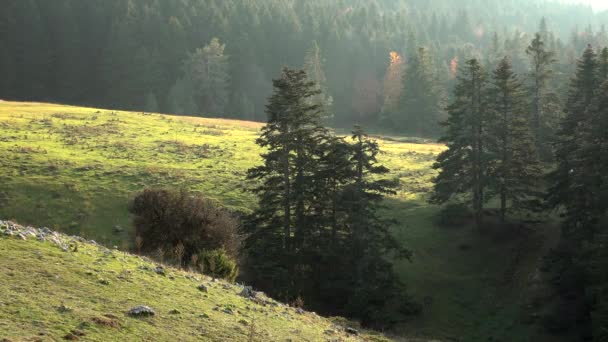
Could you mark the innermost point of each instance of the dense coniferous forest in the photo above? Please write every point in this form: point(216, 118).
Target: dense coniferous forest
point(516, 91)
point(145, 54)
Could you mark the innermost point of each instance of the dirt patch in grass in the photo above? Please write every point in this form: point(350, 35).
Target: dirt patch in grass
point(108, 321)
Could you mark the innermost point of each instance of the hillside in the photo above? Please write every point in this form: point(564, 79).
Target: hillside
point(74, 169)
point(58, 287)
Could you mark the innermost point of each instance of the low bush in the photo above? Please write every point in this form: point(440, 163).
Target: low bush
point(182, 224)
point(218, 264)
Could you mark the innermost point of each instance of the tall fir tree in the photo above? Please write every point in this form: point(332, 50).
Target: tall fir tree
point(464, 166)
point(317, 233)
point(579, 185)
point(540, 61)
point(564, 180)
point(516, 169)
point(377, 293)
point(207, 69)
point(278, 229)
point(314, 67)
point(421, 105)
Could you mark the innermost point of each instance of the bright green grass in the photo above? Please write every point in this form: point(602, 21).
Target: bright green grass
point(38, 278)
point(76, 169)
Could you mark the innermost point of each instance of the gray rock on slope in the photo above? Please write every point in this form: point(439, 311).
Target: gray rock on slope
point(141, 311)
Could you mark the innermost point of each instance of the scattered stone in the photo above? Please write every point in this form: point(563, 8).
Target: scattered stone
point(159, 270)
point(299, 311)
point(204, 315)
point(352, 331)
point(109, 321)
point(248, 292)
point(228, 311)
point(227, 287)
point(191, 277)
point(243, 322)
point(203, 288)
point(175, 312)
point(141, 311)
point(104, 282)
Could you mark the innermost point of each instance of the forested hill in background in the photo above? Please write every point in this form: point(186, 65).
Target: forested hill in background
point(162, 56)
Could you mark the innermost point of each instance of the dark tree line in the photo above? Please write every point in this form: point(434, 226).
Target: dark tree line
point(494, 133)
point(317, 234)
point(161, 55)
point(579, 188)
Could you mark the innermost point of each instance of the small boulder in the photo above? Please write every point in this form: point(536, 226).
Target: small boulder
point(159, 270)
point(352, 331)
point(175, 312)
point(248, 292)
point(203, 288)
point(141, 311)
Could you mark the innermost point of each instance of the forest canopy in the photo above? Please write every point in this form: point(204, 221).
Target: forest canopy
point(149, 54)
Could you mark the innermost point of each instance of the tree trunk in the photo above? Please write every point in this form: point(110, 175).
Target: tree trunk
point(286, 201)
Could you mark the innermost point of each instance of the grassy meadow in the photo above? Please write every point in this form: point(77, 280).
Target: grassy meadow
point(74, 169)
point(85, 294)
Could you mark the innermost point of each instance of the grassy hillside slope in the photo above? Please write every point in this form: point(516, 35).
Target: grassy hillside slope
point(74, 169)
point(67, 288)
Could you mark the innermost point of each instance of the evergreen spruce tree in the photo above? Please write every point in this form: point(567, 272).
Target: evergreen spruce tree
point(603, 65)
point(314, 67)
point(207, 69)
point(464, 166)
point(567, 178)
point(579, 185)
point(541, 61)
point(421, 105)
point(516, 169)
point(378, 295)
point(280, 228)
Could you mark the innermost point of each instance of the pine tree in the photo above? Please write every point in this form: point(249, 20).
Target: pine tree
point(580, 185)
point(393, 84)
point(279, 228)
point(376, 286)
point(603, 65)
point(314, 67)
point(463, 167)
point(516, 169)
point(207, 69)
point(566, 180)
point(541, 61)
point(420, 109)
